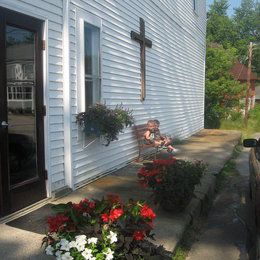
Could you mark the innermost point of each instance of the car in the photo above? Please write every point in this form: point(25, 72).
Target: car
point(254, 189)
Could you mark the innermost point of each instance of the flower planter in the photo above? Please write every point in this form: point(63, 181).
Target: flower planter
point(172, 181)
point(103, 229)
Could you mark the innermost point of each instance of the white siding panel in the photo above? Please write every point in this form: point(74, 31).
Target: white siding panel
point(174, 74)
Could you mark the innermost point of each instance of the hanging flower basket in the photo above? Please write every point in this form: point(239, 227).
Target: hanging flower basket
point(99, 120)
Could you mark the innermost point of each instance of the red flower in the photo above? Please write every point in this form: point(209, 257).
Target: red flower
point(147, 212)
point(115, 214)
point(57, 222)
point(84, 206)
point(105, 217)
point(77, 207)
point(92, 205)
point(138, 235)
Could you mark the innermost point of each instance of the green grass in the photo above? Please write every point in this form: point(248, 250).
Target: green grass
point(189, 237)
point(229, 170)
point(253, 124)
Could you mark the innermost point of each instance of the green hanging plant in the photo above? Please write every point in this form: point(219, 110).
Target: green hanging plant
point(99, 120)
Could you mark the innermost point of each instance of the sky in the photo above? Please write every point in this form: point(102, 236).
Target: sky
point(232, 3)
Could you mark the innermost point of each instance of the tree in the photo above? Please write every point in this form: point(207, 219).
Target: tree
point(218, 8)
point(222, 93)
point(220, 28)
point(247, 24)
point(227, 40)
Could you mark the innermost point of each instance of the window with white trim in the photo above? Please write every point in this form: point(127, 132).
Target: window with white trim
point(195, 6)
point(92, 64)
point(89, 65)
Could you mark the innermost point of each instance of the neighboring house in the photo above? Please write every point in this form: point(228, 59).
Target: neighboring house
point(239, 72)
point(63, 55)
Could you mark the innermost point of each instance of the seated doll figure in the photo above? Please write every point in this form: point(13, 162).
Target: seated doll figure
point(165, 141)
point(149, 135)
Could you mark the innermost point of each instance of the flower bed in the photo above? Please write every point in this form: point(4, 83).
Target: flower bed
point(172, 181)
point(102, 229)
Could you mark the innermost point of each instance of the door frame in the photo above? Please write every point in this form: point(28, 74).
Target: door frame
point(24, 21)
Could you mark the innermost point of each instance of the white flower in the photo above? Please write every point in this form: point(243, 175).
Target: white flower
point(80, 247)
point(64, 244)
point(80, 238)
point(66, 256)
point(58, 255)
point(92, 240)
point(65, 247)
point(109, 254)
point(81, 242)
point(87, 254)
point(64, 241)
point(72, 244)
point(49, 250)
point(112, 237)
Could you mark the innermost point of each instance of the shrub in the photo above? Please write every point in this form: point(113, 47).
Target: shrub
point(102, 229)
point(172, 181)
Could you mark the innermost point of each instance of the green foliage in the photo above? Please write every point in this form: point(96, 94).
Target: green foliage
point(99, 120)
point(254, 118)
point(247, 22)
point(236, 31)
point(172, 181)
point(178, 184)
point(219, 7)
point(222, 93)
point(227, 40)
point(220, 29)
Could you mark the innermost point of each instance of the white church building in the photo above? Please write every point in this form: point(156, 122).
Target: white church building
point(63, 55)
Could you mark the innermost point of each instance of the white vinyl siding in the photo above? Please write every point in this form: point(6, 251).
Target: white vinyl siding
point(174, 74)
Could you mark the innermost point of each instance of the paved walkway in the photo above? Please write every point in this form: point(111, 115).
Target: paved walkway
point(21, 238)
point(224, 235)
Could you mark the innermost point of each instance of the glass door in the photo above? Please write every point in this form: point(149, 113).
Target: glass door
point(21, 118)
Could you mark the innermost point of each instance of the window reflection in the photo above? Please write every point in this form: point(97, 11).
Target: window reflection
point(92, 64)
point(20, 69)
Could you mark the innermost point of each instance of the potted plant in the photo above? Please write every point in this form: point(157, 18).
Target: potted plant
point(172, 181)
point(102, 229)
point(99, 120)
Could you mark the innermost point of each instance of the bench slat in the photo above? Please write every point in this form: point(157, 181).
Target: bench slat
point(139, 133)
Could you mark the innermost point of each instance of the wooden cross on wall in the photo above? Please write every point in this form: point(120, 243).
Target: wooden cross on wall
point(144, 42)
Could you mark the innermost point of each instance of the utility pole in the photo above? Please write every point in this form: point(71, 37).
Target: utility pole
point(248, 85)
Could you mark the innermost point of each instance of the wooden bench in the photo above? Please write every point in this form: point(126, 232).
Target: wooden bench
point(144, 150)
